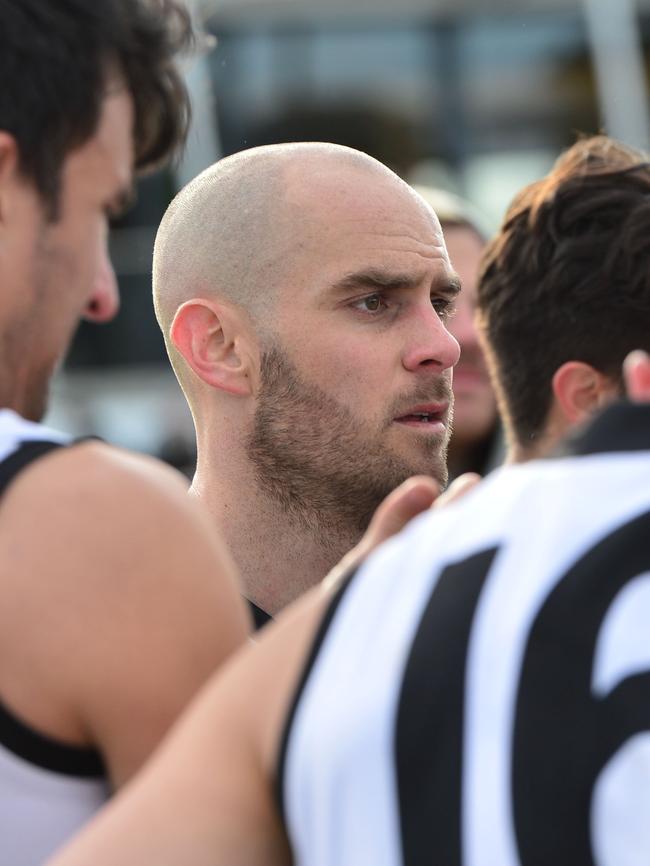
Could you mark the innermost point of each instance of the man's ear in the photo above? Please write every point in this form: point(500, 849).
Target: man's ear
point(209, 337)
point(580, 390)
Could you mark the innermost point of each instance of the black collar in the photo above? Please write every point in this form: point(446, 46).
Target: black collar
point(260, 617)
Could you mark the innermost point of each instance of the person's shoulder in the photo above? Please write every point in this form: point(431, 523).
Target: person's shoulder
point(91, 510)
point(85, 465)
point(110, 550)
point(91, 481)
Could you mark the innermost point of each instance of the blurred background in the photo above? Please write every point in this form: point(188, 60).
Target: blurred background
point(477, 97)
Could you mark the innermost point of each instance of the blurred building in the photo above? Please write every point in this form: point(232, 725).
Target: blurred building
point(477, 96)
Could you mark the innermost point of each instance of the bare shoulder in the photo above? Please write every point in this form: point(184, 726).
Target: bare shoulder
point(112, 577)
point(92, 474)
point(93, 501)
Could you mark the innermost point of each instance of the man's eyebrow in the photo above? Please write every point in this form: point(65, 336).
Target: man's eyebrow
point(378, 280)
point(451, 285)
point(375, 280)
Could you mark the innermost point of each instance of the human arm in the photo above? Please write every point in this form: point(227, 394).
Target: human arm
point(206, 797)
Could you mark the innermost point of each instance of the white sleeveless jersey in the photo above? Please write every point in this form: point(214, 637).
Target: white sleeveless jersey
point(479, 692)
point(48, 789)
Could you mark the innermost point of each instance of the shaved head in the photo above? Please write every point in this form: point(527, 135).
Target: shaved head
point(303, 291)
point(233, 232)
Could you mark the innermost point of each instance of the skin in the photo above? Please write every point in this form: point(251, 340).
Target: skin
point(119, 598)
point(141, 609)
point(54, 273)
point(475, 411)
point(379, 348)
point(182, 809)
point(336, 271)
point(636, 371)
point(579, 390)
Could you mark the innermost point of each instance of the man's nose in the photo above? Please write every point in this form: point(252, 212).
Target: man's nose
point(104, 301)
point(429, 343)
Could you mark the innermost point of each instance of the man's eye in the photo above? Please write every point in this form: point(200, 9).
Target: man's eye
point(444, 307)
point(371, 304)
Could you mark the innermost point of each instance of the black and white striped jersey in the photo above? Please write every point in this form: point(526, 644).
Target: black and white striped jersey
point(479, 692)
point(48, 789)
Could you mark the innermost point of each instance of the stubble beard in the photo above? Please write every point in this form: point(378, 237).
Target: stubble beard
point(23, 389)
point(25, 385)
point(324, 468)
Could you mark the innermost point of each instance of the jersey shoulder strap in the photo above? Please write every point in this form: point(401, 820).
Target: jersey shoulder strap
point(322, 631)
point(23, 456)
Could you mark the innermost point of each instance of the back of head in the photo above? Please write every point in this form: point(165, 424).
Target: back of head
point(59, 57)
point(567, 278)
point(218, 230)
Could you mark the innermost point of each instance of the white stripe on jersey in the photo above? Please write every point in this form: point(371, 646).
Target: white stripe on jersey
point(623, 648)
point(341, 796)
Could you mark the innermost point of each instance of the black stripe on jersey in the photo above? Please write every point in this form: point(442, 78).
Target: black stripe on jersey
point(429, 728)
point(47, 753)
point(21, 457)
point(322, 630)
point(621, 427)
point(564, 734)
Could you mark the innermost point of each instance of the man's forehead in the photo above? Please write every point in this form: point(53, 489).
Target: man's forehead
point(374, 217)
point(108, 154)
point(336, 183)
point(354, 222)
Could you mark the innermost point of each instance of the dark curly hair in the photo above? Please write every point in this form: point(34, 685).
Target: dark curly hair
point(56, 60)
point(567, 278)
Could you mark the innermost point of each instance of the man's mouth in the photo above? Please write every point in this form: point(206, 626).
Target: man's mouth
point(431, 416)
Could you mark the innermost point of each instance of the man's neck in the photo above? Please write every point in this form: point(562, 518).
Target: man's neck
point(278, 560)
point(544, 442)
point(540, 447)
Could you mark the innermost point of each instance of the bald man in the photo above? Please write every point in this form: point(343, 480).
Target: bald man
point(303, 291)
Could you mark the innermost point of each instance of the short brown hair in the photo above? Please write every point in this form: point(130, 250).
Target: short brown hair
point(567, 277)
point(56, 60)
